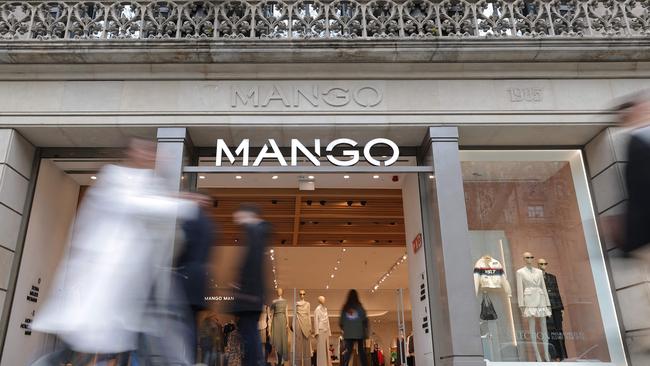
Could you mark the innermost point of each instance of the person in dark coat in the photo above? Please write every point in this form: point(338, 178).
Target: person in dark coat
point(192, 262)
point(250, 288)
point(354, 323)
point(636, 116)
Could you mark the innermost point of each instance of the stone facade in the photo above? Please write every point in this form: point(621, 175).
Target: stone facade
point(16, 161)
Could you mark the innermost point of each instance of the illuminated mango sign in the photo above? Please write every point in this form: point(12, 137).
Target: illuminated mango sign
point(270, 150)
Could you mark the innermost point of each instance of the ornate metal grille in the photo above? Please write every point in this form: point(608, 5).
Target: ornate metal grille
point(320, 19)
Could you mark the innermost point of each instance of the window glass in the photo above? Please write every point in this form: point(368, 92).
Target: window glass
point(539, 274)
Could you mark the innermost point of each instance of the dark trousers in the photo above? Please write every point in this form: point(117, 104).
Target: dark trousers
point(251, 337)
point(556, 335)
point(349, 350)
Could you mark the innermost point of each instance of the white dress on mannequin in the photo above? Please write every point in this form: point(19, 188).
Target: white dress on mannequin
point(322, 328)
point(531, 293)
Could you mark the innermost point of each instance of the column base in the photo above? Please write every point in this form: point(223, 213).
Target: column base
point(462, 361)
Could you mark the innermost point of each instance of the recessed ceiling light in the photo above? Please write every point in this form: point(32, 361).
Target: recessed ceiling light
point(327, 287)
point(332, 275)
point(375, 177)
point(93, 177)
point(346, 177)
point(274, 177)
point(311, 177)
point(237, 176)
point(344, 249)
point(431, 176)
point(201, 176)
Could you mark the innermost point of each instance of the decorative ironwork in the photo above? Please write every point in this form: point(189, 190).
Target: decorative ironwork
point(321, 19)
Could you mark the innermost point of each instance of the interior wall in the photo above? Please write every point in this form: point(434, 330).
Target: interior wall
point(53, 211)
point(417, 272)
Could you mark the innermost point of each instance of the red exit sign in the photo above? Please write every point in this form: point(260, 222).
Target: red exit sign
point(417, 243)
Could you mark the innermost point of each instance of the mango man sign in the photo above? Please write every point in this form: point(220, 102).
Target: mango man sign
point(270, 150)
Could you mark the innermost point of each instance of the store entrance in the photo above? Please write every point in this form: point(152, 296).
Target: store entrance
point(332, 233)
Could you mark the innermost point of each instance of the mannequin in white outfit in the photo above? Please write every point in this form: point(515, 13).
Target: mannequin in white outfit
point(323, 333)
point(533, 302)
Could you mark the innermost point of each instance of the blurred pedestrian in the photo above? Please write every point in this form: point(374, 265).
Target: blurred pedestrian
point(250, 288)
point(192, 262)
point(635, 115)
point(104, 286)
point(354, 324)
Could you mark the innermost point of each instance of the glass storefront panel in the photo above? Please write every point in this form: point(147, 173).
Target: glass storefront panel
point(539, 273)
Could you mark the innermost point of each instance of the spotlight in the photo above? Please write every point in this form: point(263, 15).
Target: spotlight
point(375, 177)
point(93, 177)
point(284, 241)
point(363, 203)
point(201, 176)
point(349, 223)
point(215, 203)
point(275, 202)
point(322, 203)
point(431, 177)
point(350, 203)
point(311, 177)
point(309, 202)
point(237, 176)
point(346, 177)
point(274, 177)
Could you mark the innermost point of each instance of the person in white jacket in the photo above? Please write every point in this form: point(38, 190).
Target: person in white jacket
point(120, 247)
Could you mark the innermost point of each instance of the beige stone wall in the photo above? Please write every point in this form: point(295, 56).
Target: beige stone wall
point(16, 160)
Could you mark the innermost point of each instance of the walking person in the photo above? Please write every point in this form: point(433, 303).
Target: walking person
point(354, 324)
point(192, 263)
point(635, 115)
point(250, 288)
point(103, 288)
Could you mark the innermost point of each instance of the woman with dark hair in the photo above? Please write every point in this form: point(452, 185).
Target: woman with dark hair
point(354, 324)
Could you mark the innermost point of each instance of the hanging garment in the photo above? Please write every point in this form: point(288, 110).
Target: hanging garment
point(303, 345)
point(489, 273)
point(234, 349)
point(532, 296)
point(279, 331)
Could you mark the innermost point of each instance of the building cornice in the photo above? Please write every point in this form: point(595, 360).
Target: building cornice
point(202, 51)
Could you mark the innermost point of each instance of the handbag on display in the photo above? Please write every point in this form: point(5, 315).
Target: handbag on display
point(487, 309)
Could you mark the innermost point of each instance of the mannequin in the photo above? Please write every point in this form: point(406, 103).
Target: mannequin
point(554, 322)
point(490, 279)
point(304, 331)
point(323, 333)
point(533, 301)
point(280, 327)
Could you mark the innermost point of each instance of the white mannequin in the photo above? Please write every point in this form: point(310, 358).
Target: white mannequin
point(533, 302)
point(303, 331)
point(323, 333)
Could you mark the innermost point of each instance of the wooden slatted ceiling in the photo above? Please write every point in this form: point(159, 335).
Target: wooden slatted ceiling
point(325, 217)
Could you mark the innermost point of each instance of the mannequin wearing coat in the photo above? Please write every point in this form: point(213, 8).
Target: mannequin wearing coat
point(533, 301)
point(323, 333)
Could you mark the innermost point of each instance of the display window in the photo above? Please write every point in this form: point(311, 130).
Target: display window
point(540, 279)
